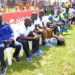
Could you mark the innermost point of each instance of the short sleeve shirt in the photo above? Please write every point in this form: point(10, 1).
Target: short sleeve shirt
point(39, 21)
point(45, 20)
point(23, 30)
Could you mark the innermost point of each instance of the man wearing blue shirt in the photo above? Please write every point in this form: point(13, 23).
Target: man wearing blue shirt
point(6, 40)
point(51, 18)
point(58, 20)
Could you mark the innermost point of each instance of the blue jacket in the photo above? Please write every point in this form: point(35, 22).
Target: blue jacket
point(6, 33)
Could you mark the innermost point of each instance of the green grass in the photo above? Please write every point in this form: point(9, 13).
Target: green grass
point(13, 9)
point(56, 61)
point(10, 10)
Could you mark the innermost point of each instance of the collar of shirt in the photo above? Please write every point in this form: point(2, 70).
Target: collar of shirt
point(40, 18)
point(2, 24)
point(33, 22)
point(25, 25)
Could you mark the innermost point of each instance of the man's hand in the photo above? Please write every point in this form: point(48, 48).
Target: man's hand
point(65, 20)
point(12, 40)
point(6, 41)
point(35, 38)
point(60, 23)
point(69, 17)
point(55, 26)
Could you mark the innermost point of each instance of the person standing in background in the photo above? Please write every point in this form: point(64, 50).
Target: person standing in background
point(27, 6)
point(38, 4)
point(21, 6)
point(0, 6)
point(66, 5)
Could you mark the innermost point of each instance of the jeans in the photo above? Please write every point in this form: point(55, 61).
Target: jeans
point(35, 45)
point(3, 46)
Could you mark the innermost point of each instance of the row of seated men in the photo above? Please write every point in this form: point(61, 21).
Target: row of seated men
point(29, 30)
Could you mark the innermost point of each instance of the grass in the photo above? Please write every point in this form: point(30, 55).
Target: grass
point(13, 9)
point(58, 60)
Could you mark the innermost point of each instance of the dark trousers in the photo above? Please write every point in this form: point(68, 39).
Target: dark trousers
point(3, 46)
point(73, 19)
point(55, 30)
point(35, 45)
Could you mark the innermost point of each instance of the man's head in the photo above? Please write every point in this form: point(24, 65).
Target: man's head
point(41, 13)
point(1, 19)
point(28, 22)
point(67, 10)
point(58, 12)
point(34, 16)
point(52, 12)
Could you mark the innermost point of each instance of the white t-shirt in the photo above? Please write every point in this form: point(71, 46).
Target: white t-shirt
point(70, 11)
point(39, 22)
point(23, 30)
point(73, 12)
point(32, 28)
point(45, 20)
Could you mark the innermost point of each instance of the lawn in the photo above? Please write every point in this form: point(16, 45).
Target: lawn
point(13, 9)
point(56, 60)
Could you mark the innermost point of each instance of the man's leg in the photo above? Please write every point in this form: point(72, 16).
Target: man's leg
point(55, 30)
point(49, 34)
point(35, 44)
point(62, 29)
point(36, 49)
point(67, 23)
point(17, 47)
point(66, 29)
point(2, 55)
point(58, 31)
point(25, 46)
point(3, 63)
point(42, 35)
point(45, 31)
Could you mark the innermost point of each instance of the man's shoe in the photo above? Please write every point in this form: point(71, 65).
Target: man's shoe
point(29, 59)
point(36, 54)
point(45, 45)
point(40, 51)
point(3, 70)
point(65, 33)
point(16, 59)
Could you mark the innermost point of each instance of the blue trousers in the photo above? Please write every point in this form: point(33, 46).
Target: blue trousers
point(3, 46)
point(58, 31)
point(67, 23)
point(63, 29)
point(35, 45)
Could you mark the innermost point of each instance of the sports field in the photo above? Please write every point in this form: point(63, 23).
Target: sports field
point(58, 60)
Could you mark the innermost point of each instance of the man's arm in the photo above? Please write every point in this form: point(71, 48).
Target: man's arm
point(11, 39)
point(28, 38)
point(11, 32)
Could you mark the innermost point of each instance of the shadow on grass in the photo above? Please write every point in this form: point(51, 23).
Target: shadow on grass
point(24, 65)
